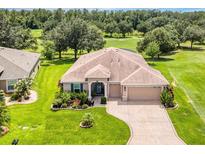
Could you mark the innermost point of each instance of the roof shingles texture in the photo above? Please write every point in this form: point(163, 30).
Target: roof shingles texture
point(125, 66)
point(16, 63)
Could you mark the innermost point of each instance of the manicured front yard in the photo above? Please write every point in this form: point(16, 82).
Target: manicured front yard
point(37, 124)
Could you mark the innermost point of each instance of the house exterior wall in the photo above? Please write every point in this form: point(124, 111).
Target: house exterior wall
point(3, 85)
point(67, 86)
point(115, 90)
point(35, 69)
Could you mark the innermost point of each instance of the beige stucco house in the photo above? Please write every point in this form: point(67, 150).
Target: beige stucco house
point(16, 65)
point(114, 73)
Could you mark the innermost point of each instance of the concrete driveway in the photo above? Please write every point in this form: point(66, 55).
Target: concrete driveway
point(148, 121)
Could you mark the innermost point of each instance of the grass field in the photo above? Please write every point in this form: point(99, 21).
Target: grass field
point(127, 43)
point(37, 124)
point(187, 69)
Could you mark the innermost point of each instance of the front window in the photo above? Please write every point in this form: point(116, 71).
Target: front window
point(76, 87)
point(11, 84)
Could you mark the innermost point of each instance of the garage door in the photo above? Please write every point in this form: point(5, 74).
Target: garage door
point(148, 93)
point(114, 90)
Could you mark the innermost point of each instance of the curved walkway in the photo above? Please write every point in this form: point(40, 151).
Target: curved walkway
point(148, 121)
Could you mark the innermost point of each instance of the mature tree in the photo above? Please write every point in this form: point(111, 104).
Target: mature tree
point(152, 49)
point(49, 50)
point(193, 33)
point(93, 40)
point(124, 27)
point(23, 38)
point(59, 38)
point(180, 26)
point(162, 37)
point(76, 35)
point(111, 28)
point(77, 31)
point(15, 36)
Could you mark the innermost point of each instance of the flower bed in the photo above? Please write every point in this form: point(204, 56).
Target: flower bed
point(71, 101)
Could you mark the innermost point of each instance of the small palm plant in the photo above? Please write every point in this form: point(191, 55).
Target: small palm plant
point(22, 88)
point(87, 121)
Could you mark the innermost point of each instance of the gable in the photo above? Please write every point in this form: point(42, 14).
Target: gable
point(142, 76)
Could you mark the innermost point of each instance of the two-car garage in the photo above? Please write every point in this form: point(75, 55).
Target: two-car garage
point(135, 93)
point(143, 93)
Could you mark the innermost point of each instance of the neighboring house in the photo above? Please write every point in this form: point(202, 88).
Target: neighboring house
point(16, 65)
point(114, 73)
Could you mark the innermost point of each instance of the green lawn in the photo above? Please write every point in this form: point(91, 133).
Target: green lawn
point(37, 124)
point(127, 43)
point(187, 68)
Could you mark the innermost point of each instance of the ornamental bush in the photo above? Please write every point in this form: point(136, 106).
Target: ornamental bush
point(22, 88)
point(2, 96)
point(87, 120)
point(4, 115)
point(103, 100)
point(167, 97)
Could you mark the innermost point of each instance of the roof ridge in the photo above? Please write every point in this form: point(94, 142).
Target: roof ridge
point(145, 68)
point(156, 75)
point(86, 61)
point(130, 75)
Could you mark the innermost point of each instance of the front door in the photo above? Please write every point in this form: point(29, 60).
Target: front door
point(97, 89)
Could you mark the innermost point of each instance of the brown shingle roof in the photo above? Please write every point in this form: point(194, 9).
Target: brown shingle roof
point(120, 63)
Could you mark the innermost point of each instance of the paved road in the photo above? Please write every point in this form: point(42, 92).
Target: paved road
point(149, 122)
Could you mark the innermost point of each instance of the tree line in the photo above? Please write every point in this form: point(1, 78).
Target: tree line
point(82, 29)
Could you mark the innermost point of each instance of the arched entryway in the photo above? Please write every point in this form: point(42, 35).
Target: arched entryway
point(97, 89)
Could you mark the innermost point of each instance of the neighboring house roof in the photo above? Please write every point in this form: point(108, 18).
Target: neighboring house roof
point(122, 65)
point(98, 71)
point(1, 69)
point(16, 63)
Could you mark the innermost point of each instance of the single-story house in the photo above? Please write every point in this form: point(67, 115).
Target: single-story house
point(16, 65)
point(114, 73)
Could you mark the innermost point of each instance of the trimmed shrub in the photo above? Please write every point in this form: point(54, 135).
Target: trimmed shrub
point(87, 120)
point(2, 96)
point(103, 100)
point(64, 105)
point(84, 106)
point(167, 97)
point(14, 97)
point(64, 96)
point(83, 97)
point(58, 102)
point(4, 115)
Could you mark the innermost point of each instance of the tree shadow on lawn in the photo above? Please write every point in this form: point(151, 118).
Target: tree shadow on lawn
point(161, 59)
point(62, 61)
point(185, 48)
